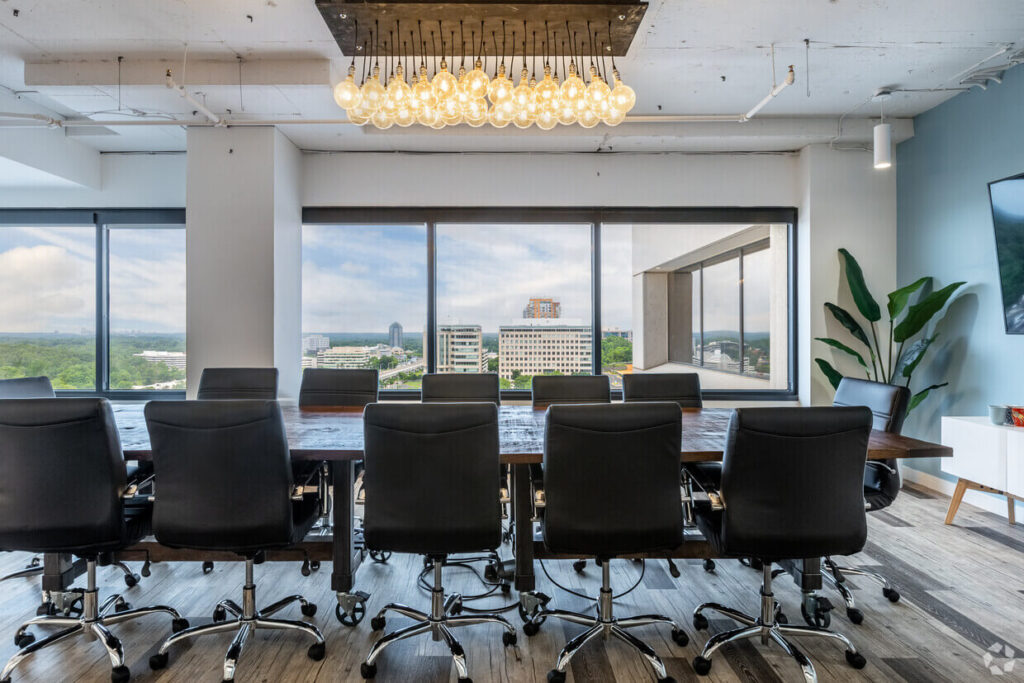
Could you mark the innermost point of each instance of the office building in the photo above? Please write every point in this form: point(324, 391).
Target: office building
point(617, 332)
point(343, 357)
point(395, 335)
point(315, 342)
point(540, 307)
point(172, 359)
point(460, 348)
point(542, 346)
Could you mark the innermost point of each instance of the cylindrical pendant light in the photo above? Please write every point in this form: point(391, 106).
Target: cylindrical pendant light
point(883, 146)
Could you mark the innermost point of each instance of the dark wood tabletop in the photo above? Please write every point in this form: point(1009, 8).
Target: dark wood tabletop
point(338, 435)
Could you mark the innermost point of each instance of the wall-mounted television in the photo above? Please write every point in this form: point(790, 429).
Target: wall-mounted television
point(1007, 197)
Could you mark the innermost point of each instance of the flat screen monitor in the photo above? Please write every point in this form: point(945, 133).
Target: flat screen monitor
point(1007, 197)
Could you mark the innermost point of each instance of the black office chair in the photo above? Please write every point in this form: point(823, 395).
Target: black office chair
point(791, 488)
point(238, 383)
point(68, 450)
point(469, 387)
point(882, 482)
point(560, 389)
point(197, 446)
point(611, 481)
point(431, 479)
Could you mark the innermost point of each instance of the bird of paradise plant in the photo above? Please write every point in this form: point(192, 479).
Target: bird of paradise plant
point(905, 323)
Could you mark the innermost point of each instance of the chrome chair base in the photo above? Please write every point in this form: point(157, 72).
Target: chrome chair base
point(768, 629)
point(604, 624)
point(94, 620)
point(444, 616)
point(835, 577)
point(247, 620)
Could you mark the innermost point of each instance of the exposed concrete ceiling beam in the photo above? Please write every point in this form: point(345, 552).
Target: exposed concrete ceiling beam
point(47, 149)
point(197, 73)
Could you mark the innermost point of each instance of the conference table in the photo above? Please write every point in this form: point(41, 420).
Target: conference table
point(335, 436)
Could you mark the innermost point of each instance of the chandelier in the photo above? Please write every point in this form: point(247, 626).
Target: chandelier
point(417, 85)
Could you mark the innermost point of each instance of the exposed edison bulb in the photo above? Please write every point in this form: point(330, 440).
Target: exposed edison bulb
point(547, 119)
point(405, 116)
point(444, 84)
point(373, 92)
point(382, 119)
point(399, 92)
point(597, 92)
point(566, 113)
point(359, 115)
point(574, 89)
point(587, 118)
point(422, 91)
point(428, 115)
point(522, 119)
point(614, 117)
point(622, 96)
point(475, 112)
point(547, 92)
point(497, 117)
point(451, 111)
point(347, 94)
point(500, 89)
point(438, 125)
point(523, 93)
point(476, 82)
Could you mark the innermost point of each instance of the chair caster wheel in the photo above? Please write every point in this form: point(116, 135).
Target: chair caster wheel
point(709, 565)
point(24, 639)
point(855, 659)
point(378, 623)
point(701, 666)
point(892, 594)
point(179, 625)
point(120, 674)
point(556, 676)
point(367, 671)
point(308, 610)
point(131, 580)
point(316, 651)
point(679, 637)
point(506, 588)
point(782, 618)
point(578, 566)
point(700, 622)
point(145, 568)
point(305, 568)
point(121, 605)
point(820, 618)
point(380, 556)
point(219, 615)
point(509, 638)
point(358, 612)
point(673, 569)
point(854, 615)
point(531, 628)
point(158, 661)
point(314, 565)
point(45, 609)
point(207, 567)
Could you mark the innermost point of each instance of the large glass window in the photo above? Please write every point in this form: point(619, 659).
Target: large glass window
point(514, 299)
point(48, 304)
point(364, 300)
point(721, 332)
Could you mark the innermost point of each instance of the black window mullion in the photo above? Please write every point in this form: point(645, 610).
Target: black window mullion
point(595, 297)
point(740, 286)
point(429, 352)
point(102, 307)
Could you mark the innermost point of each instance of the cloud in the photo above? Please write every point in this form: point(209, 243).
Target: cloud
point(44, 288)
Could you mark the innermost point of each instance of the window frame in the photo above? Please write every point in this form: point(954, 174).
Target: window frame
point(102, 221)
point(596, 217)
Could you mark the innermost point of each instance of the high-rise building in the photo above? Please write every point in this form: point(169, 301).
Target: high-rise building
point(315, 342)
point(395, 335)
point(540, 307)
point(617, 332)
point(539, 346)
point(343, 357)
point(460, 348)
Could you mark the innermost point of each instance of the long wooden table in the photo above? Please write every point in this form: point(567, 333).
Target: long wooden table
point(336, 437)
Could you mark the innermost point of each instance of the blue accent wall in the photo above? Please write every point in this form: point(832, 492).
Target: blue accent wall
point(945, 230)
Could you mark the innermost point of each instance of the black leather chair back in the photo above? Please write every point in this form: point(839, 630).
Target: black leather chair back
point(62, 475)
point(26, 387)
point(431, 477)
point(238, 383)
point(337, 387)
point(681, 387)
point(888, 404)
point(611, 478)
point(224, 474)
point(791, 482)
point(558, 389)
point(461, 387)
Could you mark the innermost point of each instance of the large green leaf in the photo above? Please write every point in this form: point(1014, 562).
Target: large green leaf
point(898, 299)
point(866, 303)
point(833, 375)
point(848, 321)
point(922, 395)
point(912, 356)
point(843, 347)
point(920, 313)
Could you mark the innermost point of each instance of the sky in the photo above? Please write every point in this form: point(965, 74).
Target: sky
point(147, 279)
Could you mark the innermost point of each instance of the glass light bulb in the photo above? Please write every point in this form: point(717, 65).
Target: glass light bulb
point(444, 83)
point(399, 92)
point(566, 113)
point(428, 115)
point(438, 125)
point(522, 95)
point(623, 98)
point(587, 118)
point(547, 119)
point(497, 118)
point(373, 92)
point(347, 94)
point(476, 82)
point(382, 119)
point(500, 89)
point(451, 112)
point(522, 119)
point(598, 91)
point(614, 117)
point(475, 113)
point(360, 115)
point(574, 88)
point(405, 116)
point(453, 120)
point(423, 91)
point(547, 92)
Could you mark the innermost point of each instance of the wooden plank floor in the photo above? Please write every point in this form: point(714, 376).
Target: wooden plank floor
point(962, 587)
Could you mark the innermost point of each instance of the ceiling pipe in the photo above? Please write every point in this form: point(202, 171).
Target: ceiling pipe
point(42, 118)
point(200, 107)
point(790, 78)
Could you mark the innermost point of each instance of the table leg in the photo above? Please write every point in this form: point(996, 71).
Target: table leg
point(958, 496)
point(806, 573)
point(522, 511)
point(346, 557)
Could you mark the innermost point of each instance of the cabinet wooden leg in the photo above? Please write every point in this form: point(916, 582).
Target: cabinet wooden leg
point(1010, 512)
point(958, 496)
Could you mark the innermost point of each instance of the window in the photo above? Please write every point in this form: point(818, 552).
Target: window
point(523, 291)
point(364, 300)
point(65, 274)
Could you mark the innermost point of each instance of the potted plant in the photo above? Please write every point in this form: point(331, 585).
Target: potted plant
point(905, 323)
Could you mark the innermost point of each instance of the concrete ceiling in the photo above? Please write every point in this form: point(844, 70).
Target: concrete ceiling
point(690, 57)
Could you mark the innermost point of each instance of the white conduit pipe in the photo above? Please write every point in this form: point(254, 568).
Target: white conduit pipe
point(43, 118)
point(790, 77)
point(200, 107)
